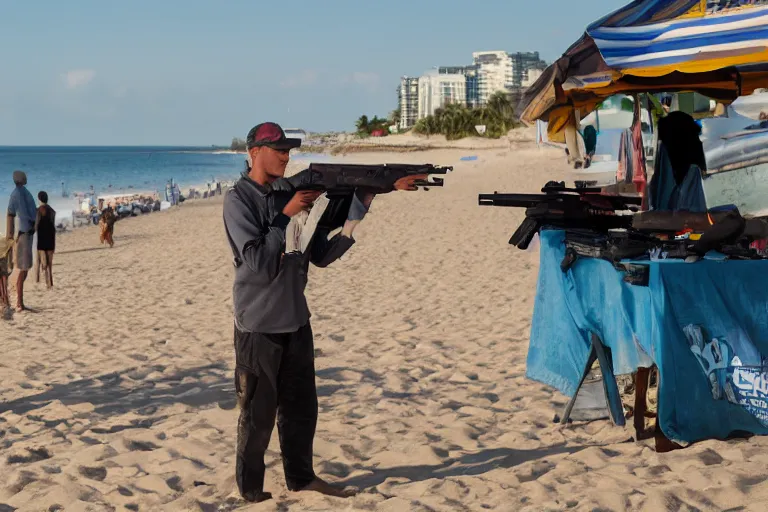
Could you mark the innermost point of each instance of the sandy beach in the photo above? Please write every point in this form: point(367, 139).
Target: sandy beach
point(117, 392)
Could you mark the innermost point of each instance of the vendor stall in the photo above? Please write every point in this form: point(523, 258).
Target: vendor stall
point(704, 325)
point(681, 287)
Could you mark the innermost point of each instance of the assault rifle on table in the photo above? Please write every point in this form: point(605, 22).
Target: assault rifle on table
point(561, 207)
point(615, 246)
point(339, 182)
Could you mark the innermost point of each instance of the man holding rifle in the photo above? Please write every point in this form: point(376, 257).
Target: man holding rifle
point(274, 350)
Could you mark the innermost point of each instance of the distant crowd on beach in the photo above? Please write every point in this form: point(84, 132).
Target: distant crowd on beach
point(26, 218)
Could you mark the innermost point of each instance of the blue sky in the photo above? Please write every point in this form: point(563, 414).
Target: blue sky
point(201, 72)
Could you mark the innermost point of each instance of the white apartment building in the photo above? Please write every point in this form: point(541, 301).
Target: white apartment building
point(494, 73)
point(437, 90)
point(532, 75)
point(408, 95)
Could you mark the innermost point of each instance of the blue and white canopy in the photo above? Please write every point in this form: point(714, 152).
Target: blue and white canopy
point(716, 47)
point(656, 37)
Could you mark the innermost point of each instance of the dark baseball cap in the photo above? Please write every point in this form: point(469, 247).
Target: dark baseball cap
point(270, 135)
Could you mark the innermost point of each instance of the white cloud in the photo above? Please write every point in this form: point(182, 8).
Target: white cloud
point(78, 78)
point(303, 79)
point(366, 80)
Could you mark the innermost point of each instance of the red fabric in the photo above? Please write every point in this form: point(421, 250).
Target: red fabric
point(639, 174)
point(621, 170)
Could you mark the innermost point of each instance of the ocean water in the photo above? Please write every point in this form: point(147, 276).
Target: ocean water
point(112, 170)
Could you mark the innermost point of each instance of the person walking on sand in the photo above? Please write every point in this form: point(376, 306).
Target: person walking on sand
point(45, 227)
point(107, 226)
point(22, 205)
point(274, 350)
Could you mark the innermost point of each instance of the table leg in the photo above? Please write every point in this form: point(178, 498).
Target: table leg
point(663, 444)
point(569, 406)
point(611, 388)
point(642, 378)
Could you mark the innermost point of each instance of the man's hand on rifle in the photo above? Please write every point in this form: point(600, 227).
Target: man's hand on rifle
point(301, 200)
point(407, 183)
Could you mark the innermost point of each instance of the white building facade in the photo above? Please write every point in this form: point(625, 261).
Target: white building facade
point(408, 95)
point(437, 90)
point(531, 76)
point(494, 73)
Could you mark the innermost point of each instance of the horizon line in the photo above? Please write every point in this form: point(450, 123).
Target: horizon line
point(111, 146)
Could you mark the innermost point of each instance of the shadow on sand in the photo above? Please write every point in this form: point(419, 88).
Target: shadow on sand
point(91, 249)
point(470, 464)
point(129, 391)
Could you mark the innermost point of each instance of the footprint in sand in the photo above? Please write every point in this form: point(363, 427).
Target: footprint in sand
point(174, 483)
point(35, 455)
point(710, 457)
point(32, 370)
point(52, 470)
point(94, 473)
point(124, 491)
point(23, 479)
point(140, 446)
point(538, 469)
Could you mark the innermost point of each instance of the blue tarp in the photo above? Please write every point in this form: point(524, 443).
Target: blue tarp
point(704, 324)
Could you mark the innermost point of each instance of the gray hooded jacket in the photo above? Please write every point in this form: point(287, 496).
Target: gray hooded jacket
point(269, 285)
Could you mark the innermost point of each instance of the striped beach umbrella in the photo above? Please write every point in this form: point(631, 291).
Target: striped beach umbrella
point(718, 48)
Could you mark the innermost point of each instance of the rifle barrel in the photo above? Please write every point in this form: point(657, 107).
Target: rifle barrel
point(511, 200)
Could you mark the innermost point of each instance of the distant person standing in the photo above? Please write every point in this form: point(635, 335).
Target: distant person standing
point(45, 227)
point(22, 205)
point(176, 194)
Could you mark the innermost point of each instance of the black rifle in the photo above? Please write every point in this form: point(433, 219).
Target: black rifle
point(565, 208)
point(343, 179)
point(615, 246)
point(340, 181)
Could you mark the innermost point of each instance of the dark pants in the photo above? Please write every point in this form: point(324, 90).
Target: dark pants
point(275, 374)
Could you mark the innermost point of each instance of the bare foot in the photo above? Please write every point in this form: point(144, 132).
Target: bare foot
point(20, 308)
point(323, 487)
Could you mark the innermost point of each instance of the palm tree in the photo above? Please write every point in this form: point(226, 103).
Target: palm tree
point(394, 117)
point(377, 123)
point(501, 111)
point(427, 126)
point(362, 124)
point(457, 121)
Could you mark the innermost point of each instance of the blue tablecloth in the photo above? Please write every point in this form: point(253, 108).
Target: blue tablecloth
point(704, 324)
